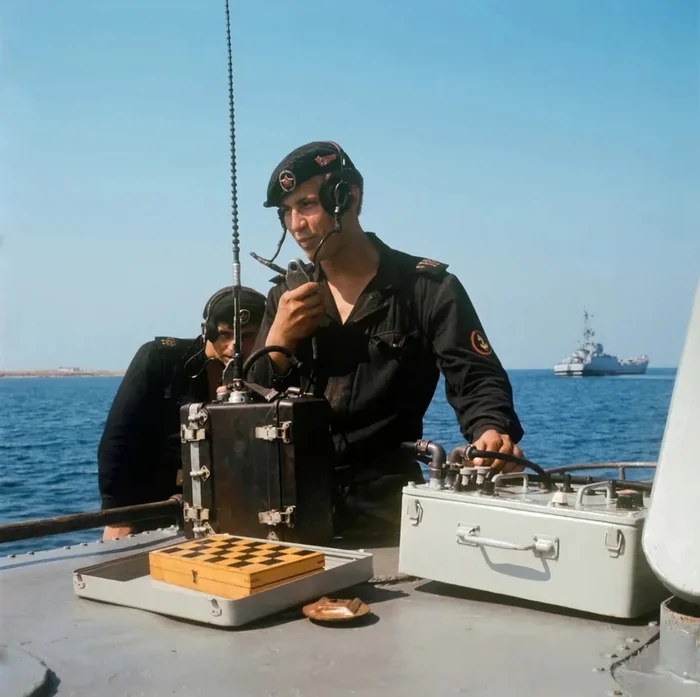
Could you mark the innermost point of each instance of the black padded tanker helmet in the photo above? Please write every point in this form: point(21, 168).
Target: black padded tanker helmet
point(219, 308)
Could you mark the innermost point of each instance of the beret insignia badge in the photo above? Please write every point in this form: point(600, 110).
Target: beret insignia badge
point(287, 180)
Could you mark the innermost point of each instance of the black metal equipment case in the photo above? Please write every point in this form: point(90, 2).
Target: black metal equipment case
point(259, 469)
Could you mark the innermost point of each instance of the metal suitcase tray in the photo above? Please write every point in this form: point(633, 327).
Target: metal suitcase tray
point(126, 581)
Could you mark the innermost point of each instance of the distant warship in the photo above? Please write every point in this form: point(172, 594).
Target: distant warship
point(591, 359)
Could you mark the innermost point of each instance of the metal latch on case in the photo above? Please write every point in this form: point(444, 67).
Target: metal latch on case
point(281, 432)
point(275, 517)
point(614, 539)
point(414, 511)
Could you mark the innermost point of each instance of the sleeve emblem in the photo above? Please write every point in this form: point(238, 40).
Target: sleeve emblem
point(480, 344)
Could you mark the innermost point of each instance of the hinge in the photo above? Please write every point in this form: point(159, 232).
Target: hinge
point(195, 428)
point(202, 529)
point(193, 513)
point(199, 517)
point(275, 517)
point(187, 435)
point(201, 474)
point(282, 432)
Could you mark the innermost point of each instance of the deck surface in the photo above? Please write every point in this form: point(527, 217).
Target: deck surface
point(422, 638)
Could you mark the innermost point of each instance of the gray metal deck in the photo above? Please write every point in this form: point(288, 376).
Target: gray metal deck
point(422, 638)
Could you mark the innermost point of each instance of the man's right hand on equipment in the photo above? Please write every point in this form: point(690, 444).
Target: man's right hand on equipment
point(112, 533)
point(299, 312)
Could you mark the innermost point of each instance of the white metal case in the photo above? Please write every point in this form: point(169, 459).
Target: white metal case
point(579, 550)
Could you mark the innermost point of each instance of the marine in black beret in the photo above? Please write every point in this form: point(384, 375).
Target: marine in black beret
point(377, 326)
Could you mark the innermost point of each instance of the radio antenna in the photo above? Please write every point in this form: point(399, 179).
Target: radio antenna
point(234, 370)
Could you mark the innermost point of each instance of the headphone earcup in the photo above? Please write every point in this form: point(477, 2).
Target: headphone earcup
point(210, 331)
point(207, 334)
point(335, 191)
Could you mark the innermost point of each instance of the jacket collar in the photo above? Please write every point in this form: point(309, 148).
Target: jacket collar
point(379, 290)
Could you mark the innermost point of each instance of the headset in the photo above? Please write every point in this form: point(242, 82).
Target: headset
point(335, 193)
point(210, 332)
point(335, 196)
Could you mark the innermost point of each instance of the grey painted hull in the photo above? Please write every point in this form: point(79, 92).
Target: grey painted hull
point(577, 370)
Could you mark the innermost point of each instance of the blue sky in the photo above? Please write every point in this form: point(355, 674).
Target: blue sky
point(547, 150)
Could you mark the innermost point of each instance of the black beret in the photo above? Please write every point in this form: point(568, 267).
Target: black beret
point(307, 161)
point(219, 307)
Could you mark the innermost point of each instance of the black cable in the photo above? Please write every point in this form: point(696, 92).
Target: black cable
point(270, 262)
point(548, 477)
point(257, 355)
point(472, 452)
point(321, 243)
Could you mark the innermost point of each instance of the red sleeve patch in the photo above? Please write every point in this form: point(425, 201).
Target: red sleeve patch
point(480, 344)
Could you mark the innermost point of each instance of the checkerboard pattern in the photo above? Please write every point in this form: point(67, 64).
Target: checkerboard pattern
point(240, 554)
point(232, 567)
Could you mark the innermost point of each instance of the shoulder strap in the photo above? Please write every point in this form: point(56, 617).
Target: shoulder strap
point(430, 267)
point(421, 267)
point(171, 351)
point(171, 348)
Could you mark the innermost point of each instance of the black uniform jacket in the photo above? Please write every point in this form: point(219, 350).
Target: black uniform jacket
point(139, 454)
point(380, 369)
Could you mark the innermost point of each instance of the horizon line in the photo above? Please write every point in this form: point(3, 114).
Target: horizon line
point(116, 372)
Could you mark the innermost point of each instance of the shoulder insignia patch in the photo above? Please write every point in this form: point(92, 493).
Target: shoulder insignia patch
point(168, 341)
point(480, 344)
point(432, 267)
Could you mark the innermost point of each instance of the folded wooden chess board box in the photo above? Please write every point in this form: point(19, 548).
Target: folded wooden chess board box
point(232, 567)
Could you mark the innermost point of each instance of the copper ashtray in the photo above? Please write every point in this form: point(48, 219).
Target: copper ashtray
point(335, 610)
